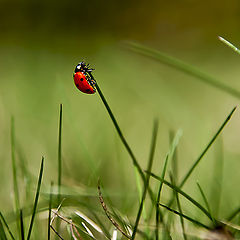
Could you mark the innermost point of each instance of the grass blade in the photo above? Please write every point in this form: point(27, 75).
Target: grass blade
point(124, 141)
point(36, 199)
point(177, 189)
point(179, 208)
point(14, 170)
point(104, 206)
point(206, 148)
point(158, 199)
point(185, 216)
point(233, 214)
point(60, 153)
point(2, 232)
point(235, 49)
point(50, 211)
point(146, 184)
point(206, 203)
point(183, 67)
point(6, 225)
point(21, 225)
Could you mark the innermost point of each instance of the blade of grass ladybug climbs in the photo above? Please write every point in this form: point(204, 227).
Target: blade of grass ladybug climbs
point(235, 49)
point(177, 189)
point(185, 216)
point(206, 203)
point(179, 208)
point(2, 232)
point(21, 224)
point(183, 67)
point(6, 225)
point(159, 218)
point(36, 199)
point(146, 183)
point(50, 211)
point(124, 141)
point(206, 149)
point(14, 172)
point(135, 162)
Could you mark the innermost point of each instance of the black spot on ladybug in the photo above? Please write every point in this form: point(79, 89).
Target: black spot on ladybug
point(77, 85)
point(81, 79)
point(88, 90)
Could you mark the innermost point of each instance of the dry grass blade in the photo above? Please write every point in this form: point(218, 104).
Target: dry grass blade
point(108, 214)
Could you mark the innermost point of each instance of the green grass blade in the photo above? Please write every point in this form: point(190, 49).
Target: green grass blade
point(21, 225)
point(6, 225)
point(146, 183)
point(177, 189)
point(124, 141)
point(50, 211)
point(185, 216)
point(14, 168)
point(179, 208)
point(233, 214)
point(2, 232)
point(60, 153)
point(235, 49)
point(36, 199)
point(206, 203)
point(206, 148)
point(115, 123)
point(183, 67)
point(158, 199)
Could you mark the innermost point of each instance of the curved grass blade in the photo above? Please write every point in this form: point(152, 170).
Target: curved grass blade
point(182, 66)
point(6, 225)
point(158, 215)
point(185, 216)
point(104, 206)
point(135, 162)
point(206, 203)
point(177, 189)
point(21, 225)
point(206, 149)
point(235, 49)
point(124, 141)
point(36, 199)
point(146, 183)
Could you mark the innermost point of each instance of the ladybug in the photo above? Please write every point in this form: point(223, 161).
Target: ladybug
point(83, 78)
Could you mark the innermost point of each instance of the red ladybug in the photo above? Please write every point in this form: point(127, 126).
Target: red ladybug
point(82, 78)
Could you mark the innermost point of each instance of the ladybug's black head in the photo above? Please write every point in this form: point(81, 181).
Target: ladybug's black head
point(80, 67)
point(83, 67)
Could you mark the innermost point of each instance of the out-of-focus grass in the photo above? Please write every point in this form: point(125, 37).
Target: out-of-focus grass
point(34, 80)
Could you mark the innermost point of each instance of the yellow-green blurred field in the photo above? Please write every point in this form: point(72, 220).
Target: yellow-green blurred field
point(40, 45)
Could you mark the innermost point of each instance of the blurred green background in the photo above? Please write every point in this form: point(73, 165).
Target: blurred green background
point(42, 41)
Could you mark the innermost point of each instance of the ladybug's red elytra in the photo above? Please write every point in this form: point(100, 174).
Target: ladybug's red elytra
point(82, 78)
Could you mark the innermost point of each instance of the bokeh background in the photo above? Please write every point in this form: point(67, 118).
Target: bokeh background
point(42, 41)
